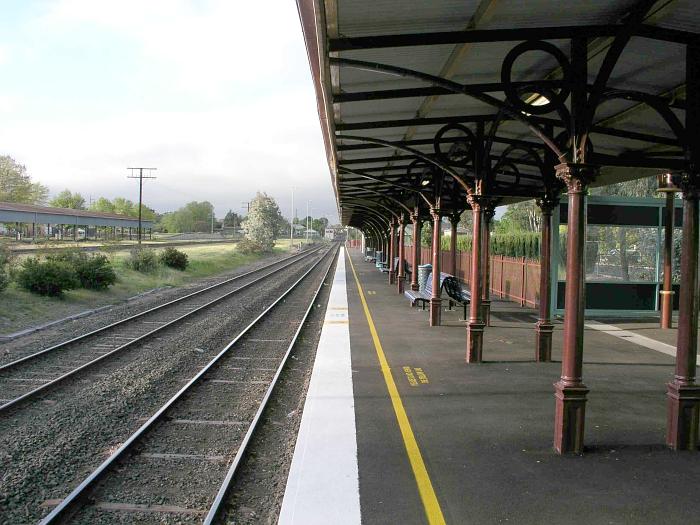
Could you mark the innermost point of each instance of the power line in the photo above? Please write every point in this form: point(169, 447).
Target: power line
point(140, 176)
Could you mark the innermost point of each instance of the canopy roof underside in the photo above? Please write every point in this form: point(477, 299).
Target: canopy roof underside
point(466, 42)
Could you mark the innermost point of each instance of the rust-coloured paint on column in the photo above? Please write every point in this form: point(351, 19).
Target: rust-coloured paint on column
point(454, 221)
point(392, 252)
point(667, 287)
point(683, 394)
point(435, 301)
point(475, 326)
point(544, 326)
point(401, 277)
point(570, 392)
point(416, 251)
point(489, 211)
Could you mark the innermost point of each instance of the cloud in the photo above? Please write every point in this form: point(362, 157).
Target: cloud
point(235, 109)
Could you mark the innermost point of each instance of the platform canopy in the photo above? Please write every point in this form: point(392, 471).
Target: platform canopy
point(32, 214)
point(428, 101)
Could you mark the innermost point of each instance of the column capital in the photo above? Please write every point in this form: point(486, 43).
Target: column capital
point(577, 177)
point(547, 203)
point(436, 213)
point(415, 218)
point(478, 201)
point(454, 217)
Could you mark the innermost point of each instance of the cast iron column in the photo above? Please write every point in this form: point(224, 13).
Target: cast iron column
point(544, 326)
point(454, 221)
point(489, 212)
point(402, 272)
point(415, 218)
point(683, 394)
point(667, 289)
point(435, 301)
point(475, 325)
point(392, 251)
point(570, 392)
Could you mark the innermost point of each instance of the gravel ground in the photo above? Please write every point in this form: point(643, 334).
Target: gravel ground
point(15, 349)
point(31, 374)
point(258, 488)
point(48, 447)
point(156, 474)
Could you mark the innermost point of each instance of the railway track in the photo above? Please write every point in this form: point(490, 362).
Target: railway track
point(25, 378)
point(180, 464)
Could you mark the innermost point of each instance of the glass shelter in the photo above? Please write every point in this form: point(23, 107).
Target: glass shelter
point(623, 255)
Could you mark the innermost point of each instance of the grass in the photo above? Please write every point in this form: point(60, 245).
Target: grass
point(22, 309)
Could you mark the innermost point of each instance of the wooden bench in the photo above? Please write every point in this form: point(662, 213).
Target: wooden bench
point(422, 298)
point(455, 292)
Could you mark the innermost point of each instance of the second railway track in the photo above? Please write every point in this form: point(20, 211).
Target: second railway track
point(32, 375)
point(179, 464)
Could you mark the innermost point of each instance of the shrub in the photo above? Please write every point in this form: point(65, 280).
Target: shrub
point(174, 259)
point(142, 260)
point(4, 279)
point(248, 246)
point(47, 277)
point(95, 272)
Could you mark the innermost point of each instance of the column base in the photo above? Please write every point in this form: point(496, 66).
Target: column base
point(415, 287)
point(392, 277)
point(475, 341)
point(569, 417)
point(400, 284)
point(486, 311)
point(543, 341)
point(683, 408)
point(435, 311)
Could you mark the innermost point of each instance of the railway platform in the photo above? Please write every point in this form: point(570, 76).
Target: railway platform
point(439, 440)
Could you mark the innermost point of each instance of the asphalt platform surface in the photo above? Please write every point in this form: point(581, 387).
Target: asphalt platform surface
point(485, 431)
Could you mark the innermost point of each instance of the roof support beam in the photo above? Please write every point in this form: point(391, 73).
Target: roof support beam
point(506, 35)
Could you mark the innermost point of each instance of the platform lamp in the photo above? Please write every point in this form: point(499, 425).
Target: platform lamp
point(667, 183)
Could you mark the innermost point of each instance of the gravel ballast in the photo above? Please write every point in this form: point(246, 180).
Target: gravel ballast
point(50, 446)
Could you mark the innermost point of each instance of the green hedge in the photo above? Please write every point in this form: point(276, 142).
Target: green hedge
point(523, 244)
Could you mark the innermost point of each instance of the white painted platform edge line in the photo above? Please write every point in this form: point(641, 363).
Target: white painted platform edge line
point(633, 337)
point(333, 349)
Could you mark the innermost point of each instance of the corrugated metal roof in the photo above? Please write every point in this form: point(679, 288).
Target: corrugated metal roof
point(646, 65)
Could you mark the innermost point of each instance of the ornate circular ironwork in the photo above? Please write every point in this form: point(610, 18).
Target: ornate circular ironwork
point(460, 152)
point(513, 93)
point(500, 169)
point(419, 170)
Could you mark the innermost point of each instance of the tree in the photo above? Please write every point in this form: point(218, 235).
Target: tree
point(102, 205)
point(124, 206)
point(264, 221)
point(232, 219)
point(66, 199)
point(521, 216)
point(193, 217)
point(16, 185)
point(319, 225)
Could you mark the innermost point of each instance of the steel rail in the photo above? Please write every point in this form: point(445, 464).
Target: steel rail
point(26, 396)
point(218, 504)
point(63, 509)
point(62, 344)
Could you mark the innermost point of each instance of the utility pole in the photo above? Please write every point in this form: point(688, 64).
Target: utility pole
point(291, 223)
point(140, 176)
point(306, 233)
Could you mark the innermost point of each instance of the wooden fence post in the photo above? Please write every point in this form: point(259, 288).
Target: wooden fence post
point(524, 280)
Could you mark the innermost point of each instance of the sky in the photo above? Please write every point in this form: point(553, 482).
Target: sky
point(216, 94)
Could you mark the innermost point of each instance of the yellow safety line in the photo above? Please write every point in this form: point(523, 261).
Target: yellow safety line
point(425, 488)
